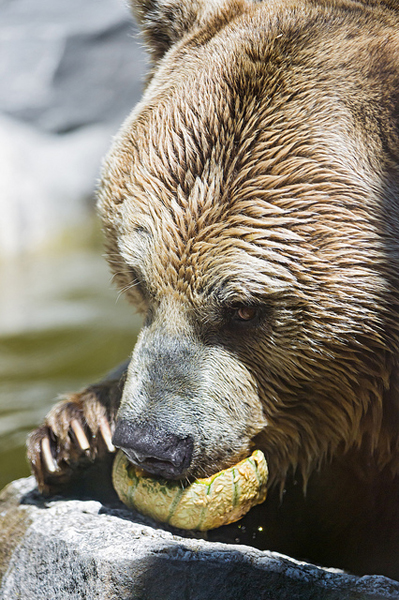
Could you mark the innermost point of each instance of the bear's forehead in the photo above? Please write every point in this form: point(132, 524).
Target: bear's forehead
point(217, 144)
point(194, 248)
point(196, 172)
point(220, 161)
point(193, 206)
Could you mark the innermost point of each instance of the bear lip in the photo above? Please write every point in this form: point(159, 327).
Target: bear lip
point(154, 466)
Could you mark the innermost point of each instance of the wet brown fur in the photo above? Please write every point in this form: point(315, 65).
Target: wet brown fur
point(271, 175)
point(262, 168)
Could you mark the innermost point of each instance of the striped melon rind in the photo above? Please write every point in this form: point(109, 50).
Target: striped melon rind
point(205, 504)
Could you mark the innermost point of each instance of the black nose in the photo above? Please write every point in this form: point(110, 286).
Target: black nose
point(154, 449)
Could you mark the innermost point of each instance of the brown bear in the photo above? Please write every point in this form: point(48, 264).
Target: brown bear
point(251, 210)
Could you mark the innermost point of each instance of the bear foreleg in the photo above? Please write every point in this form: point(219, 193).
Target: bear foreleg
point(75, 435)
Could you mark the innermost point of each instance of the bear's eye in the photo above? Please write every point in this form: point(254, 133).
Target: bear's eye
point(245, 313)
point(242, 317)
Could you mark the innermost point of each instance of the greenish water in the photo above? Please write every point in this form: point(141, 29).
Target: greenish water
point(62, 327)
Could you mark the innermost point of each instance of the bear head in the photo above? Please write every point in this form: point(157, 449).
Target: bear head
point(250, 210)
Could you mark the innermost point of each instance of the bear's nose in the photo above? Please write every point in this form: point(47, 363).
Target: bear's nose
point(154, 449)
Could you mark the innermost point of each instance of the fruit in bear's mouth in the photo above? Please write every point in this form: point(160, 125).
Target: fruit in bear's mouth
point(204, 504)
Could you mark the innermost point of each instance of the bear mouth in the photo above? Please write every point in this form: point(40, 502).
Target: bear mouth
point(168, 469)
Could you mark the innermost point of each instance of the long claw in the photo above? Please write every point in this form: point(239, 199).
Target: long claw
point(106, 433)
point(48, 458)
point(80, 435)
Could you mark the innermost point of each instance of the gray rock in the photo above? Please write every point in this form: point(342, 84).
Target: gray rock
point(68, 64)
point(70, 549)
point(70, 72)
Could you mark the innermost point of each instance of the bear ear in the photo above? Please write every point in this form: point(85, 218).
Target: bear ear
point(164, 22)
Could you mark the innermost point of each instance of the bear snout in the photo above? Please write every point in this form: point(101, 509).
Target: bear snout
point(154, 449)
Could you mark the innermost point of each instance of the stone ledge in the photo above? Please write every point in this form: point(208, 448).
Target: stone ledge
point(71, 549)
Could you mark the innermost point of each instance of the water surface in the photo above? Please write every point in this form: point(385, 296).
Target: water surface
point(62, 327)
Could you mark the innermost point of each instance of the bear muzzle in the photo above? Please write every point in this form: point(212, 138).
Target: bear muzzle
point(154, 449)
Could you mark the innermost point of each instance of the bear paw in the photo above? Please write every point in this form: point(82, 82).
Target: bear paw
point(75, 433)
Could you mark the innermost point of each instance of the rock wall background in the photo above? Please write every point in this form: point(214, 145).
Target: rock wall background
point(70, 72)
